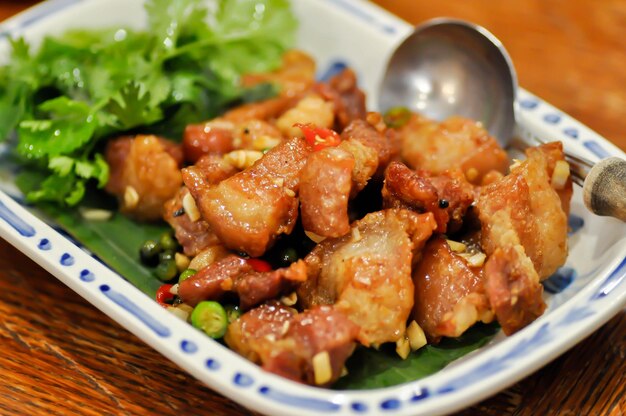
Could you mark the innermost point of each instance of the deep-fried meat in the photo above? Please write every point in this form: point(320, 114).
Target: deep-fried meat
point(513, 287)
point(214, 136)
point(197, 235)
point(447, 196)
point(530, 208)
point(286, 344)
point(349, 100)
point(144, 174)
point(325, 183)
point(234, 274)
point(454, 143)
point(367, 273)
point(250, 209)
point(370, 136)
point(449, 294)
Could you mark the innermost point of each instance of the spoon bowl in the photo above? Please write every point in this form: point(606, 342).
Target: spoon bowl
point(453, 67)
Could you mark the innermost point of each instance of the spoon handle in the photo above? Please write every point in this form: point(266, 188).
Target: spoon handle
point(604, 189)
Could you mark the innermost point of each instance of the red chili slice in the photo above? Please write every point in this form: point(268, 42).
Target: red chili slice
point(318, 137)
point(259, 265)
point(164, 295)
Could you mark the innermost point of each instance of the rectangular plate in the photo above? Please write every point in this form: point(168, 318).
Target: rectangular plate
point(587, 292)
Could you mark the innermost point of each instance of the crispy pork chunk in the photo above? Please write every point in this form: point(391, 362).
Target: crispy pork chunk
point(144, 174)
point(366, 274)
point(310, 347)
point(370, 133)
point(448, 195)
point(325, 183)
point(531, 209)
point(454, 143)
point(449, 293)
point(248, 210)
point(348, 99)
point(234, 274)
point(513, 287)
point(192, 232)
point(524, 232)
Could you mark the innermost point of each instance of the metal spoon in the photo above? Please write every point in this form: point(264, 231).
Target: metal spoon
point(453, 67)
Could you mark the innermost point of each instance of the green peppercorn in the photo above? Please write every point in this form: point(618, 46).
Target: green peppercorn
point(166, 270)
point(288, 255)
point(166, 255)
point(168, 242)
point(149, 253)
point(232, 312)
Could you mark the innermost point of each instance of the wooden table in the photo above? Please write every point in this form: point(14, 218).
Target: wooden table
point(59, 355)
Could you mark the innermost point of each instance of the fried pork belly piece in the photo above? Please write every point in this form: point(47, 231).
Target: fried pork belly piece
point(310, 347)
point(295, 75)
point(513, 287)
point(366, 274)
point(370, 133)
point(524, 232)
point(144, 174)
point(234, 274)
point(448, 196)
point(530, 208)
point(262, 110)
point(449, 293)
point(325, 183)
point(214, 136)
point(195, 234)
point(348, 99)
point(250, 209)
point(220, 136)
point(454, 143)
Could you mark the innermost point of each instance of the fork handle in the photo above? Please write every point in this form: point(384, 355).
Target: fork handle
point(604, 189)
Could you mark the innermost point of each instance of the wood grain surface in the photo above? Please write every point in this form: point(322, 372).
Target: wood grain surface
point(60, 356)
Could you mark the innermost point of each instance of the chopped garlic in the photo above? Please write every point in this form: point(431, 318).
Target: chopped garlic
point(415, 333)
point(403, 348)
point(178, 312)
point(265, 142)
point(321, 368)
point(207, 257)
point(290, 299)
point(191, 209)
point(560, 175)
point(474, 260)
point(314, 237)
point(131, 197)
point(456, 246)
point(243, 159)
point(95, 214)
point(182, 261)
point(290, 192)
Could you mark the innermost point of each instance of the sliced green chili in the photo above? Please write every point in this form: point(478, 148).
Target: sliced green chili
point(210, 317)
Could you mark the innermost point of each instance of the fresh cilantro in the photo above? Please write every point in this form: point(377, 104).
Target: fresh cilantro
point(132, 107)
point(84, 86)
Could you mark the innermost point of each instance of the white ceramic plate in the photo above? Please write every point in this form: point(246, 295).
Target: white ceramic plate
point(587, 292)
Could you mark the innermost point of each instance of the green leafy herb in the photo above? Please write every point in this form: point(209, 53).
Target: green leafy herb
point(85, 86)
